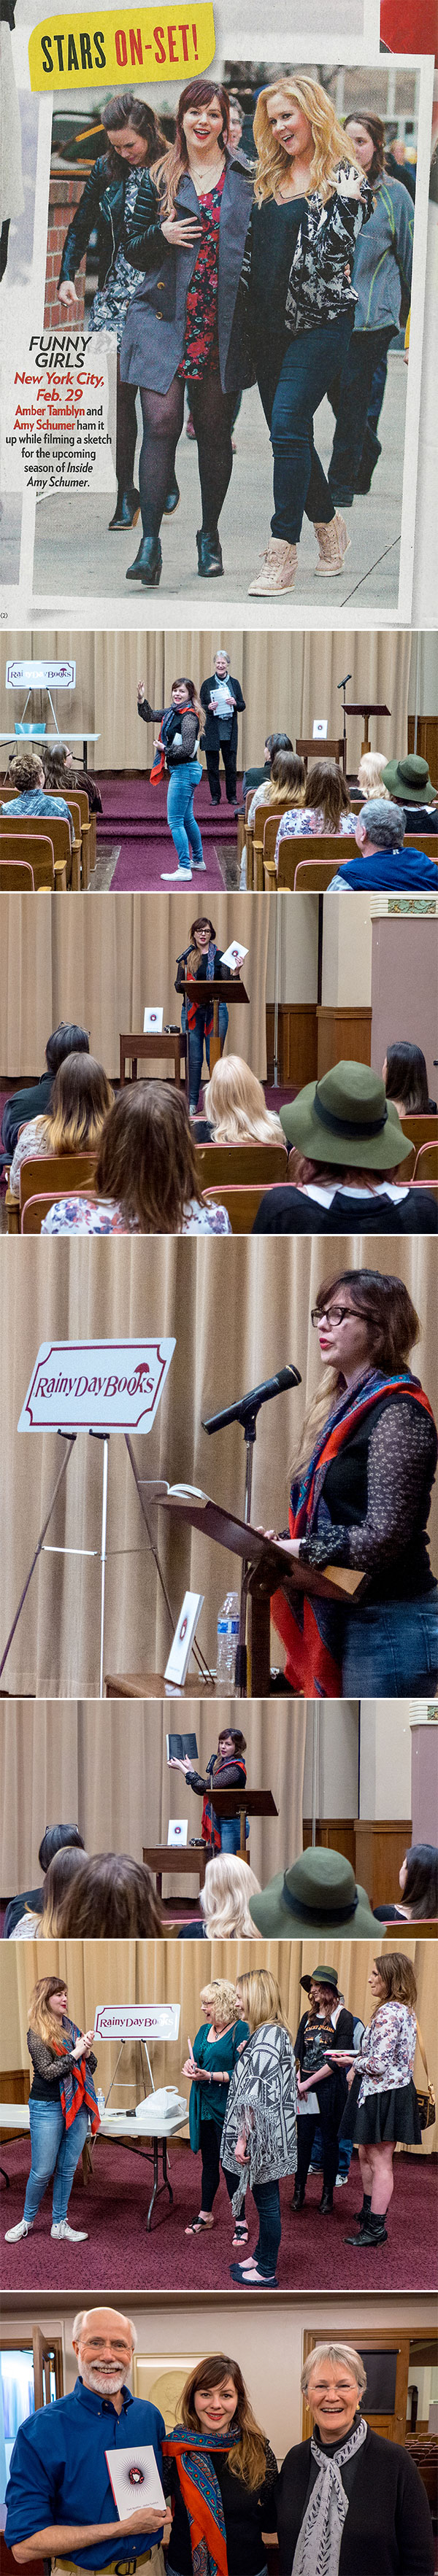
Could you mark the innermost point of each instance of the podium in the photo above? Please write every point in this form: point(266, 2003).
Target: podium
point(266, 1564)
point(357, 708)
point(248, 1802)
point(203, 991)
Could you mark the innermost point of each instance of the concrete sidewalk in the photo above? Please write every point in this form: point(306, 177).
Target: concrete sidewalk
point(75, 558)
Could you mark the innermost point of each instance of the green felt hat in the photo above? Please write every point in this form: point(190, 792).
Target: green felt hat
point(346, 1118)
point(408, 780)
point(319, 1894)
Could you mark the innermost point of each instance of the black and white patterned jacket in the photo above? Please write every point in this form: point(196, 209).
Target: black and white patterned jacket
point(262, 2102)
point(320, 281)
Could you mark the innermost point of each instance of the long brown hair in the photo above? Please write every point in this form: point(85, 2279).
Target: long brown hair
point(397, 1976)
point(394, 1330)
point(41, 2020)
point(325, 786)
point(168, 172)
point(287, 780)
point(62, 1870)
point(247, 2458)
point(80, 1101)
point(129, 110)
point(375, 129)
point(147, 1159)
point(111, 1897)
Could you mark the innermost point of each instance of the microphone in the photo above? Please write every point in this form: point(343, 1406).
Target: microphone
point(342, 684)
point(184, 952)
point(250, 1404)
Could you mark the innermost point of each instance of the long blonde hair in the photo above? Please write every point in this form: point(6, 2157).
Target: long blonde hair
point(370, 779)
point(261, 1999)
point(224, 1899)
point(331, 144)
point(41, 2020)
point(235, 1103)
point(81, 1099)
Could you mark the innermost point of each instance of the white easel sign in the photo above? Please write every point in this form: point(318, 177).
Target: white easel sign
point(136, 2021)
point(96, 1386)
point(153, 1022)
point(40, 675)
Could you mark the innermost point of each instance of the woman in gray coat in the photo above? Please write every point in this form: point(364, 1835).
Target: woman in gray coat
point(259, 2140)
point(188, 236)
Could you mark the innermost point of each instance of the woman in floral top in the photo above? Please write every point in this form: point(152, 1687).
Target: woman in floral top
point(383, 2107)
point(325, 811)
point(146, 1175)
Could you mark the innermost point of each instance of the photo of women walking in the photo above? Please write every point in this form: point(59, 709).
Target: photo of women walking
point(178, 742)
point(360, 1497)
point(259, 2143)
point(187, 236)
point(221, 2474)
point(210, 2067)
point(62, 2107)
point(382, 2111)
point(310, 202)
point(134, 138)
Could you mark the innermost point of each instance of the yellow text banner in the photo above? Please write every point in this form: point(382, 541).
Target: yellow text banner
point(148, 44)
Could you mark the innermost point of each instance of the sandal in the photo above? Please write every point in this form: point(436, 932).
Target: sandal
point(198, 2225)
point(240, 2232)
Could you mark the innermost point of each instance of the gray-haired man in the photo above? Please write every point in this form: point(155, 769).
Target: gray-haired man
point(59, 2498)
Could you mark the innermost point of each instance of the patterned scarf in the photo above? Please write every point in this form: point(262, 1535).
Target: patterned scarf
point(210, 1830)
point(77, 2088)
point(319, 2541)
point(202, 2496)
point(312, 1667)
point(208, 968)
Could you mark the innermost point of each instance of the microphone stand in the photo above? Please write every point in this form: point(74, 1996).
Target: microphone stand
point(343, 684)
point(250, 1435)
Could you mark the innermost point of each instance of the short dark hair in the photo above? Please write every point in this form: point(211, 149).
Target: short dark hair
point(278, 742)
point(406, 1075)
point(55, 1839)
point(66, 1040)
point(238, 1739)
point(420, 1890)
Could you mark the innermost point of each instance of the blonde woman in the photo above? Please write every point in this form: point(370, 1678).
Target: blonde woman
point(74, 1120)
point(285, 786)
point(224, 1901)
point(259, 2143)
point(370, 775)
point(311, 200)
point(62, 2106)
point(210, 2068)
point(235, 1104)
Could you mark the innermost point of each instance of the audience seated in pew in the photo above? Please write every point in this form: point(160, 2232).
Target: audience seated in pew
point(405, 1077)
point(32, 1900)
point(26, 773)
point(60, 1874)
point(235, 1106)
point(418, 1881)
point(224, 1901)
point(381, 865)
point(254, 777)
point(285, 785)
point(370, 773)
point(347, 1165)
point(325, 811)
point(110, 1898)
point(408, 783)
point(73, 1123)
point(34, 1099)
point(60, 770)
point(147, 1179)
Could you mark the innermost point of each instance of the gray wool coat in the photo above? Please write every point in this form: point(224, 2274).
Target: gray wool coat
point(153, 339)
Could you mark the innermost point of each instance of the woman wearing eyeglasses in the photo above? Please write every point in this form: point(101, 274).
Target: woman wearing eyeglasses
point(360, 1498)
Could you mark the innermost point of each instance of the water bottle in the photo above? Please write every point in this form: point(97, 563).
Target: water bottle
point(227, 1642)
point(100, 2098)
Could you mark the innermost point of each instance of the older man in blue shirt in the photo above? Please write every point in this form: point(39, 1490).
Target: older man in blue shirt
point(59, 2497)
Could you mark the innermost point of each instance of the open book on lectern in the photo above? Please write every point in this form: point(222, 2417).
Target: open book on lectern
point(188, 1502)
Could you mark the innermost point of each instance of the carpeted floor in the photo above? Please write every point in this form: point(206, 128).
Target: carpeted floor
point(134, 815)
point(118, 2249)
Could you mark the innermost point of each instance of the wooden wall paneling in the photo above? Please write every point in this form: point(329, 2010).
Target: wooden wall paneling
point(380, 1849)
point(297, 1043)
point(343, 1033)
point(383, 2339)
point(427, 742)
point(335, 1833)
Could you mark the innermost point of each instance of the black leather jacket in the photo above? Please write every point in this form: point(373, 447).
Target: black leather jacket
point(101, 207)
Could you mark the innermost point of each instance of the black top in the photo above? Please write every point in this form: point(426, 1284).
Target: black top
point(289, 1211)
point(21, 1105)
point(247, 2512)
point(213, 724)
point(101, 210)
point(32, 1902)
point(374, 1507)
point(314, 2037)
point(274, 236)
point(388, 2526)
point(49, 2068)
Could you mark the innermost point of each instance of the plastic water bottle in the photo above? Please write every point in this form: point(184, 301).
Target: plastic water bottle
point(100, 2098)
point(227, 1642)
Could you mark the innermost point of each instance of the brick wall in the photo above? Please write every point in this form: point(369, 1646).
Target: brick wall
point(66, 189)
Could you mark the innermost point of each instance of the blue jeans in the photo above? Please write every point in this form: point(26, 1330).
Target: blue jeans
point(181, 819)
point(54, 2150)
point(267, 2200)
point(230, 1833)
point(391, 1648)
point(197, 1041)
point(290, 398)
point(345, 2151)
point(350, 397)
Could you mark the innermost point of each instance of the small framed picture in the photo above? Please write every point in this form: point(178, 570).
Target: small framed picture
point(153, 1019)
point(178, 1661)
point(320, 729)
point(177, 1831)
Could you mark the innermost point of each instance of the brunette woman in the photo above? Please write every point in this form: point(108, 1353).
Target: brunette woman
point(75, 1117)
point(323, 810)
point(62, 2106)
point(178, 743)
point(134, 139)
point(382, 2111)
point(146, 1179)
point(221, 2474)
point(311, 201)
point(226, 1769)
point(322, 2090)
point(202, 961)
point(188, 236)
point(360, 1497)
point(418, 1883)
point(406, 1081)
point(382, 268)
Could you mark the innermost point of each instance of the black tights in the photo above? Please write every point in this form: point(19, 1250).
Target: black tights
point(163, 415)
point(126, 433)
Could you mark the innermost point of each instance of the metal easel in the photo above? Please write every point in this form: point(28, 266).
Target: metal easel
point(149, 1492)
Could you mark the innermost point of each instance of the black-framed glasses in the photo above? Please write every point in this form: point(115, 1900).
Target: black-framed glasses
point(336, 1314)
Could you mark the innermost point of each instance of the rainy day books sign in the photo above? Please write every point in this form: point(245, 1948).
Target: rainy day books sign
point(96, 1386)
point(136, 2021)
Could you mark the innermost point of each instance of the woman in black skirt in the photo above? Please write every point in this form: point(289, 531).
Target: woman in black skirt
point(383, 2108)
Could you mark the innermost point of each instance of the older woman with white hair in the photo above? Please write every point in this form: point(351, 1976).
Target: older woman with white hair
point(349, 2503)
point(210, 2067)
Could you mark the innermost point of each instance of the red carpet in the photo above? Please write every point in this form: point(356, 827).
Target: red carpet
point(134, 813)
point(114, 2209)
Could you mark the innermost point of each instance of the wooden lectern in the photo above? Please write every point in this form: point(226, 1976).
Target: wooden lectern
point(247, 1802)
point(203, 991)
point(266, 1564)
point(358, 709)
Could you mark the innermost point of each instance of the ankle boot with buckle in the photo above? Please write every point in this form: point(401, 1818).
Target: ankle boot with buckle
point(210, 565)
point(127, 509)
point(147, 564)
point(333, 542)
point(279, 570)
point(373, 2233)
point(362, 2215)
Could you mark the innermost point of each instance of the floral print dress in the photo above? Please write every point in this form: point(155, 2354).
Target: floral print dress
point(109, 310)
point(201, 346)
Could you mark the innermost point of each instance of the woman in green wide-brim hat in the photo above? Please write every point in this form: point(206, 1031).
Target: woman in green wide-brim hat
point(318, 1894)
point(345, 1118)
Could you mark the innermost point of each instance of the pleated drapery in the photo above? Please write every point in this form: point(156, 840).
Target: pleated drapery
point(288, 680)
point(59, 962)
point(103, 1766)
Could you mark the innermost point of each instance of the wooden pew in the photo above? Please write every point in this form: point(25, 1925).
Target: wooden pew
point(37, 827)
point(241, 1163)
point(36, 855)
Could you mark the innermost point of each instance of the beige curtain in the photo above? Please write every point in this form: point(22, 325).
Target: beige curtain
point(103, 1766)
point(124, 1972)
point(239, 1310)
point(287, 680)
point(58, 962)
